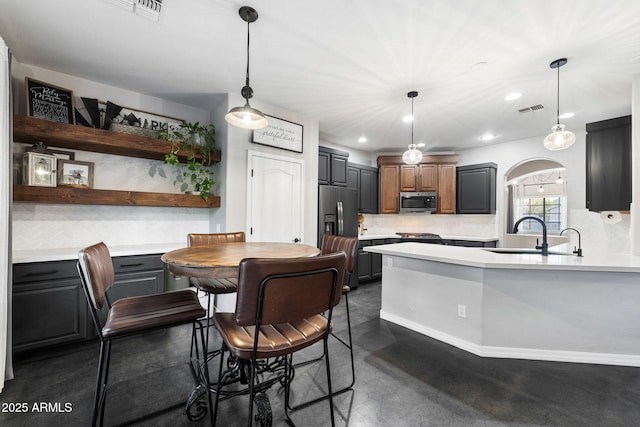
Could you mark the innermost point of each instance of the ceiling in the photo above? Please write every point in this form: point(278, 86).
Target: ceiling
point(349, 64)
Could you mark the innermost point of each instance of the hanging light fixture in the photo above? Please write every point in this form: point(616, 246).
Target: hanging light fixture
point(412, 156)
point(559, 139)
point(247, 117)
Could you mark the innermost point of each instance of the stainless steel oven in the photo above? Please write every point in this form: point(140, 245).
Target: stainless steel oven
point(424, 201)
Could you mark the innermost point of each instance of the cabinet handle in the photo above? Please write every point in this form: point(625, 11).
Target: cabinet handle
point(42, 273)
point(131, 265)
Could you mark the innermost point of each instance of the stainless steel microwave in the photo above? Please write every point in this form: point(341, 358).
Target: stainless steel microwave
point(423, 201)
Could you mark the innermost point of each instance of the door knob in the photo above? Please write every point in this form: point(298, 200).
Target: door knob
point(296, 240)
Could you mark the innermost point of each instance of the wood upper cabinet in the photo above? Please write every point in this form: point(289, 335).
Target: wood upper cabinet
point(419, 177)
point(389, 188)
point(434, 173)
point(446, 189)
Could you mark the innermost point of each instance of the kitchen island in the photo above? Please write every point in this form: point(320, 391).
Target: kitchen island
point(523, 306)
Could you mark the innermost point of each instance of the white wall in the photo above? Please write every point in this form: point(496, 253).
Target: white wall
point(232, 215)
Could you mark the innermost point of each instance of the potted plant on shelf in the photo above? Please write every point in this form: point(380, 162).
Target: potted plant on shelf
point(198, 141)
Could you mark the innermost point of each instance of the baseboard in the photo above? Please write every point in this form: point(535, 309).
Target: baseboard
point(514, 352)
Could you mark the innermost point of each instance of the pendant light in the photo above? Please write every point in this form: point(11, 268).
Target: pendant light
point(247, 117)
point(412, 156)
point(559, 139)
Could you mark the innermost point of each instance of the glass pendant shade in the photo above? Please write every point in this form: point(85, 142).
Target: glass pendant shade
point(246, 117)
point(559, 139)
point(412, 156)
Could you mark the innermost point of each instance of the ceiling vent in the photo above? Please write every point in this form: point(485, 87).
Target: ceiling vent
point(150, 9)
point(531, 109)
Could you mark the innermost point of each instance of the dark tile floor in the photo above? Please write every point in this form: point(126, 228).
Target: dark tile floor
point(403, 379)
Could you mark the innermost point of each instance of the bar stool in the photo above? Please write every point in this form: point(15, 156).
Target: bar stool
point(128, 316)
point(349, 245)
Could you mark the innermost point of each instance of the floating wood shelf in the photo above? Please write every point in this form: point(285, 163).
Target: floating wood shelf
point(63, 135)
point(87, 196)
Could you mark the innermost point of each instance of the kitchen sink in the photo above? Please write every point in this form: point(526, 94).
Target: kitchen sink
point(522, 251)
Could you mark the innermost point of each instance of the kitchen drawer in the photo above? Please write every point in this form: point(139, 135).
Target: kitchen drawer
point(129, 264)
point(40, 271)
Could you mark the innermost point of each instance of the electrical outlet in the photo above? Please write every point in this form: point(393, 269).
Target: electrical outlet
point(462, 310)
point(389, 262)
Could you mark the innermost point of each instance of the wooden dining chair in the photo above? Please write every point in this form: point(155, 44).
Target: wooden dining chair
point(128, 316)
point(279, 311)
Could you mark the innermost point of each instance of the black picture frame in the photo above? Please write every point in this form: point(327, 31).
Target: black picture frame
point(281, 134)
point(49, 102)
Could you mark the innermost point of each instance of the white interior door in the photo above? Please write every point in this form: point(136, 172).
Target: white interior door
point(275, 198)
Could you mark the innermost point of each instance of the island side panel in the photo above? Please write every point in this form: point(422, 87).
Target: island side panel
point(573, 316)
point(424, 296)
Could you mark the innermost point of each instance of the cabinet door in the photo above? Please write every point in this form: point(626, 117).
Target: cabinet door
point(408, 178)
point(49, 306)
point(324, 168)
point(389, 189)
point(476, 190)
point(353, 176)
point(368, 191)
point(447, 189)
point(364, 265)
point(428, 178)
point(609, 165)
point(137, 275)
point(339, 170)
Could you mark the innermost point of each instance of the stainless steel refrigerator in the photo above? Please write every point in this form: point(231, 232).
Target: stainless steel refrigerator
point(338, 215)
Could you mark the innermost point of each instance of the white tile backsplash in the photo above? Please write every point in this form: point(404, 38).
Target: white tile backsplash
point(451, 225)
point(43, 226)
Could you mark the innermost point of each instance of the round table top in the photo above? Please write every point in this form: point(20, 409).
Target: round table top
point(222, 260)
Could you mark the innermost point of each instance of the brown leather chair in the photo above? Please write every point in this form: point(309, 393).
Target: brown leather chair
point(349, 245)
point(279, 310)
point(128, 316)
point(215, 286)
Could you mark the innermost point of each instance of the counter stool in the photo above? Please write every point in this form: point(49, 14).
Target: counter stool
point(348, 245)
point(129, 316)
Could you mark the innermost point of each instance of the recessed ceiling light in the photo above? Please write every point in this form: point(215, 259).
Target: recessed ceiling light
point(487, 137)
point(362, 140)
point(407, 119)
point(513, 96)
point(566, 115)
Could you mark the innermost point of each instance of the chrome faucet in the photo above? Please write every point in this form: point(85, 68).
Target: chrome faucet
point(545, 246)
point(579, 250)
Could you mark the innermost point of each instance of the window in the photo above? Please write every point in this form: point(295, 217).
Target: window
point(548, 209)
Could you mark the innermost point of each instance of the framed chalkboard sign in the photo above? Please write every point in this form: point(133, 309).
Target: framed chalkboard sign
point(49, 102)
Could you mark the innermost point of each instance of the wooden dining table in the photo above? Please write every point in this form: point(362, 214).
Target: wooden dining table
point(222, 260)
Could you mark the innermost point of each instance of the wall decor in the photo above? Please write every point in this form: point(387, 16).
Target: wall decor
point(39, 169)
point(280, 134)
point(49, 102)
point(74, 173)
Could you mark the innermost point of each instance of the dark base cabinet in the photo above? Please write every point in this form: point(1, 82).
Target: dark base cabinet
point(370, 264)
point(471, 243)
point(49, 305)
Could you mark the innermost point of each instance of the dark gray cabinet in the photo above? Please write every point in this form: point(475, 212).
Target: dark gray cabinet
point(476, 189)
point(609, 165)
point(370, 264)
point(49, 306)
point(470, 243)
point(332, 166)
point(365, 179)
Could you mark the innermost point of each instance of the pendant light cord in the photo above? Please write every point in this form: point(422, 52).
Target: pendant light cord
point(248, 35)
point(558, 98)
point(412, 120)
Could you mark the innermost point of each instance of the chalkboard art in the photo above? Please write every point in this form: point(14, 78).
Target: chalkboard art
point(49, 102)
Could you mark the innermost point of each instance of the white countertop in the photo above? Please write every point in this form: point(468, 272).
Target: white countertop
point(446, 237)
point(483, 258)
point(63, 254)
